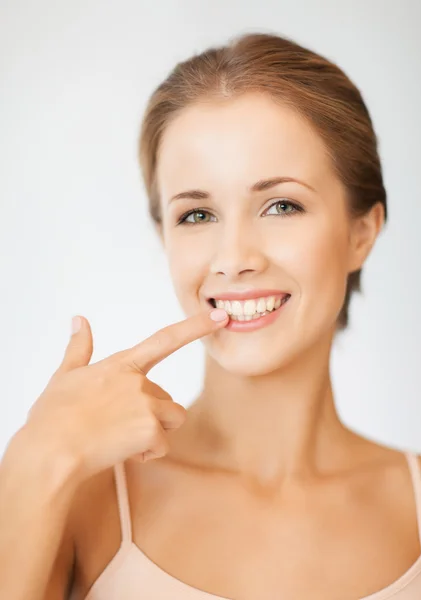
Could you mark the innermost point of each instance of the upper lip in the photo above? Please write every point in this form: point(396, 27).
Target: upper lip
point(247, 295)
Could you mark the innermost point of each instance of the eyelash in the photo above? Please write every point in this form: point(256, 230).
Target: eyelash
point(297, 209)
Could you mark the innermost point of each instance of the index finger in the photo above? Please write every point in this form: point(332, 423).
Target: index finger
point(173, 337)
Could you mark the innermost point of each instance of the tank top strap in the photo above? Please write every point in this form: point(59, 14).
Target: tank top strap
point(123, 503)
point(415, 470)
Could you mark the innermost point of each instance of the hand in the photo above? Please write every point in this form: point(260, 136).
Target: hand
point(109, 411)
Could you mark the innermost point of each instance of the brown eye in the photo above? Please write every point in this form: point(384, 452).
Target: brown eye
point(283, 207)
point(200, 217)
point(196, 216)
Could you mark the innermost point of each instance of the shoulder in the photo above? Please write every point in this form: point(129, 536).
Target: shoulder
point(398, 482)
point(389, 472)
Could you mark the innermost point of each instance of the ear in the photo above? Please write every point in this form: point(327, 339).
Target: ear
point(363, 234)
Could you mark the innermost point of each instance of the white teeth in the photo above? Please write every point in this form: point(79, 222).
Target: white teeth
point(270, 303)
point(237, 308)
point(250, 307)
point(261, 305)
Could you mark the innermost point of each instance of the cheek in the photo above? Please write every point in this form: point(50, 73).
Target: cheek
point(314, 256)
point(321, 267)
point(187, 270)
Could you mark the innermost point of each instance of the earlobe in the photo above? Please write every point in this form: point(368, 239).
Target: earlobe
point(364, 232)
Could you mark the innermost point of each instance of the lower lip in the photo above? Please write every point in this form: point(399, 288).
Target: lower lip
point(244, 326)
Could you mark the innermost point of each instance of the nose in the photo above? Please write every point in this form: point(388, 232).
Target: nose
point(239, 251)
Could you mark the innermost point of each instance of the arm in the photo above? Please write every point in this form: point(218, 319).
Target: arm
point(88, 418)
point(37, 486)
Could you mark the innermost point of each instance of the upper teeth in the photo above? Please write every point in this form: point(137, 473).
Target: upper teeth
point(250, 307)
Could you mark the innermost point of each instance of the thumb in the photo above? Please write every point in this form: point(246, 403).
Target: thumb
point(80, 347)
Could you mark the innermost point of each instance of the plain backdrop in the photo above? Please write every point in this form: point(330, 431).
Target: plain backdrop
point(74, 231)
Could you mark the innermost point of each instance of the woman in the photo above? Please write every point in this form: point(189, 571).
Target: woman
point(265, 186)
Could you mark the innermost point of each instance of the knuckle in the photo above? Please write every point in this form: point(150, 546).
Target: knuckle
point(177, 421)
point(126, 362)
point(99, 378)
point(181, 412)
point(105, 375)
point(173, 416)
point(132, 365)
point(118, 357)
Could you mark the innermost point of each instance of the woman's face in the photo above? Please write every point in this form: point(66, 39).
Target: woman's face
point(226, 237)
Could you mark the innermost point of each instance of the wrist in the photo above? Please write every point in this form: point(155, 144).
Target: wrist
point(40, 457)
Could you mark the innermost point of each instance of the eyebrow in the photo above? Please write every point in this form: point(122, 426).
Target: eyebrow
point(259, 186)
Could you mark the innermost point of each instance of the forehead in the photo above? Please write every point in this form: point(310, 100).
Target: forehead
point(232, 142)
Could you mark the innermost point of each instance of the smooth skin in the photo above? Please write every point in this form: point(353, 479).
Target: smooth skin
point(263, 492)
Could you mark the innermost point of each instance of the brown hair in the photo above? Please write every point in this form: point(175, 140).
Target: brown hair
point(309, 83)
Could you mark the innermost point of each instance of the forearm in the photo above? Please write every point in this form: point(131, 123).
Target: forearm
point(36, 490)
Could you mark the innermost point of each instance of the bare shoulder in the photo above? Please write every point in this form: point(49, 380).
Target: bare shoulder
point(392, 482)
point(375, 453)
point(386, 470)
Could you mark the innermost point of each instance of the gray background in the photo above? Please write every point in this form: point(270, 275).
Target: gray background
point(74, 233)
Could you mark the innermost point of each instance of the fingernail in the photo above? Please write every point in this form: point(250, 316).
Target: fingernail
point(219, 314)
point(76, 324)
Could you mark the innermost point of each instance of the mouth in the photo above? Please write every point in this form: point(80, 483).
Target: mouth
point(249, 307)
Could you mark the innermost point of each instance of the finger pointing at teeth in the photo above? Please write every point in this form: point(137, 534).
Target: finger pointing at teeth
point(171, 338)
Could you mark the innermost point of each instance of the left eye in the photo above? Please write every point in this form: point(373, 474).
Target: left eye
point(196, 216)
point(282, 207)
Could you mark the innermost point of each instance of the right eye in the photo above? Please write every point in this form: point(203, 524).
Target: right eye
point(196, 216)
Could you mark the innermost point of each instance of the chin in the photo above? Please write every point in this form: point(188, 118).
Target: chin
point(270, 350)
point(249, 361)
point(250, 370)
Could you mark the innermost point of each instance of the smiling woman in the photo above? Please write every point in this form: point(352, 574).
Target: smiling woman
point(265, 186)
point(294, 79)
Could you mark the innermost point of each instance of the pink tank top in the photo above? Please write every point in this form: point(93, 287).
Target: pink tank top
point(131, 575)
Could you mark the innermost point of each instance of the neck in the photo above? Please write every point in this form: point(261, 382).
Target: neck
point(271, 427)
